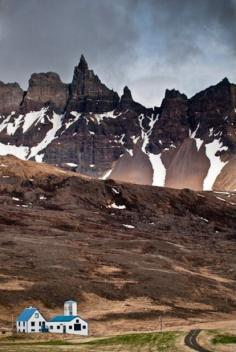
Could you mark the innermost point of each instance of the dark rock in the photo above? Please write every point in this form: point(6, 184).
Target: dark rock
point(88, 93)
point(174, 94)
point(210, 107)
point(11, 96)
point(83, 65)
point(46, 89)
point(127, 102)
point(172, 126)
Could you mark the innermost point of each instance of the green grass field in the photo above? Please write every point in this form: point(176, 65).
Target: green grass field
point(143, 342)
point(224, 339)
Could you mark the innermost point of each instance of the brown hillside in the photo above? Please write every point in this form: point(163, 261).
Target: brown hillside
point(63, 236)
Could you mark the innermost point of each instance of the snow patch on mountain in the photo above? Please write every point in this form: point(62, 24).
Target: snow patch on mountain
point(216, 164)
point(107, 115)
point(71, 121)
point(159, 170)
point(33, 118)
point(199, 143)
point(116, 206)
point(106, 175)
point(56, 121)
point(20, 152)
point(12, 123)
point(13, 126)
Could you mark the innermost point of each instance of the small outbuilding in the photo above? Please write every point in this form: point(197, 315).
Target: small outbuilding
point(69, 323)
point(30, 320)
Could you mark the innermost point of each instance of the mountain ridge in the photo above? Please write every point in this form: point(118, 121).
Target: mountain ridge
point(85, 126)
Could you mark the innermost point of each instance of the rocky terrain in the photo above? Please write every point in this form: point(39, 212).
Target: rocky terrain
point(129, 253)
point(87, 127)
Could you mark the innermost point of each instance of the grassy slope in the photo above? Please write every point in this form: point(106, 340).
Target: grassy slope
point(147, 342)
point(224, 339)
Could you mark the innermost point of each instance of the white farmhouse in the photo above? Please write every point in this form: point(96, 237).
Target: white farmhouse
point(69, 323)
point(30, 320)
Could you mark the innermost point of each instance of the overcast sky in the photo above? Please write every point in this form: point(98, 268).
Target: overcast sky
point(149, 45)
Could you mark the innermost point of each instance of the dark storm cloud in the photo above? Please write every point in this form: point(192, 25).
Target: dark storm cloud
point(186, 23)
point(148, 44)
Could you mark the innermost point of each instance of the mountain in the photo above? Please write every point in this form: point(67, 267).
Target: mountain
point(86, 127)
point(128, 253)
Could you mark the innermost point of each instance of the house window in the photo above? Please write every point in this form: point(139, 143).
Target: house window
point(32, 330)
point(58, 327)
point(77, 320)
point(36, 315)
point(84, 326)
point(70, 327)
point(77, 327)
point(32, 323)
point(51, 327)
point(40, 323)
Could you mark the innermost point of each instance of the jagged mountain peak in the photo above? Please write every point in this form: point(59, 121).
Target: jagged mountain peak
point(224, 81)
point(127, 93)
point(127, 102)
point(174, 94)
point(83, 65)
point(88, 93)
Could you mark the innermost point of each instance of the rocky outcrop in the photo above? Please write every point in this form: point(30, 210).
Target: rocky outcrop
point(172, 126)
point(88, 94)
point(46, 89)
point(11, 96)
point(212, 108)
point(127, 103)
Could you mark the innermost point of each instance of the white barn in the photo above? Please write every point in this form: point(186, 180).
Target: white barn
point(69, 323)
point(30, 321)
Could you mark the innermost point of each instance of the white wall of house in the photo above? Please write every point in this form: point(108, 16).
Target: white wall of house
point(77, 326)
point(34, 324)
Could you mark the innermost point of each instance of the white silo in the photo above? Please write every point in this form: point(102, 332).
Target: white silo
point(70, 308)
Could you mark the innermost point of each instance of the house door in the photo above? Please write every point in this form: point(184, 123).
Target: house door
point(64, 329)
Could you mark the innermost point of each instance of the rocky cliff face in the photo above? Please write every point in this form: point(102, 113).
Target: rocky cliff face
point(88, 94)
point(11, 96)
point(46, 89)
point(85, 126)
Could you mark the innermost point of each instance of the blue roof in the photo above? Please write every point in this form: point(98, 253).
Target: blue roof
point(26, 314)
point(62, 318)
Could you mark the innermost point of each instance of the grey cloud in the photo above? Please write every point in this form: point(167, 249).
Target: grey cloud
point(134, 42)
